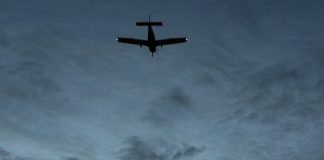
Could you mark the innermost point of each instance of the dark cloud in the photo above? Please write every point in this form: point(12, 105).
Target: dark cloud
point(4, 40)
point(172, 103)
point(207, 79)
point(155, 118)
point(5, 155)
point(187, 151)
point(28, 80)
point(279, 90)
point(284, 100)
point(31, 72)
point(71, 158)
point(176, 97)
point(140, 150)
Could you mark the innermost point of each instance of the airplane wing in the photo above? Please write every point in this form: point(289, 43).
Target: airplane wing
point(170, 41)
point(132, 41)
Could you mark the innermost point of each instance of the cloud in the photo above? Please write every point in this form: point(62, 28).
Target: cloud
point(31, 66)
point(66, 84)
point(168, 106)
point(138, 149)
point(28, 80)
point(279, 102)
point(187, 151)
point(5, 155)
point(4, 39)
point(175, 97)
point(71, 158)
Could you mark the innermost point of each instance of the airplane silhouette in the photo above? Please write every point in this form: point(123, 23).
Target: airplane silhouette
point(151, 42)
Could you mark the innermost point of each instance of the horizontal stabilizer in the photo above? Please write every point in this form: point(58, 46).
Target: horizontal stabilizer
point(149, 23)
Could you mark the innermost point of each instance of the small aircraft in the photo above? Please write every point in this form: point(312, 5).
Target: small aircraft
point(151, 42)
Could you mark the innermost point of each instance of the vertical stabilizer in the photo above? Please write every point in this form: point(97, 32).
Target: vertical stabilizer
point(149, 23)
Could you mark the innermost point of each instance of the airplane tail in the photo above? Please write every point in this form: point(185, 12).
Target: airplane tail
point(149, 23)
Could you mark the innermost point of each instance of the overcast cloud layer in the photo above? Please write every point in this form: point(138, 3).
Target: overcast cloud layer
point(248, 85)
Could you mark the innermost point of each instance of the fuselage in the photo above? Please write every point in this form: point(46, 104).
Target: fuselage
point(151, 39)
point(151, 42)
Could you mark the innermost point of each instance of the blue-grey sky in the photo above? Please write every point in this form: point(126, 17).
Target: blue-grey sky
point(248, 85)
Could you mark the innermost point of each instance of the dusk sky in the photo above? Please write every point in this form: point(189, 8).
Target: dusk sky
point(248, 85)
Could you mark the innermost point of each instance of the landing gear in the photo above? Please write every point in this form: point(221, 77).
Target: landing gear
point(152, 54)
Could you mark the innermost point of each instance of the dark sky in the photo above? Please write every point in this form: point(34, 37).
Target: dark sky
point(248, 85)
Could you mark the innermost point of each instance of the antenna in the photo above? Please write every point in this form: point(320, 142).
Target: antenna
point(149, 17)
